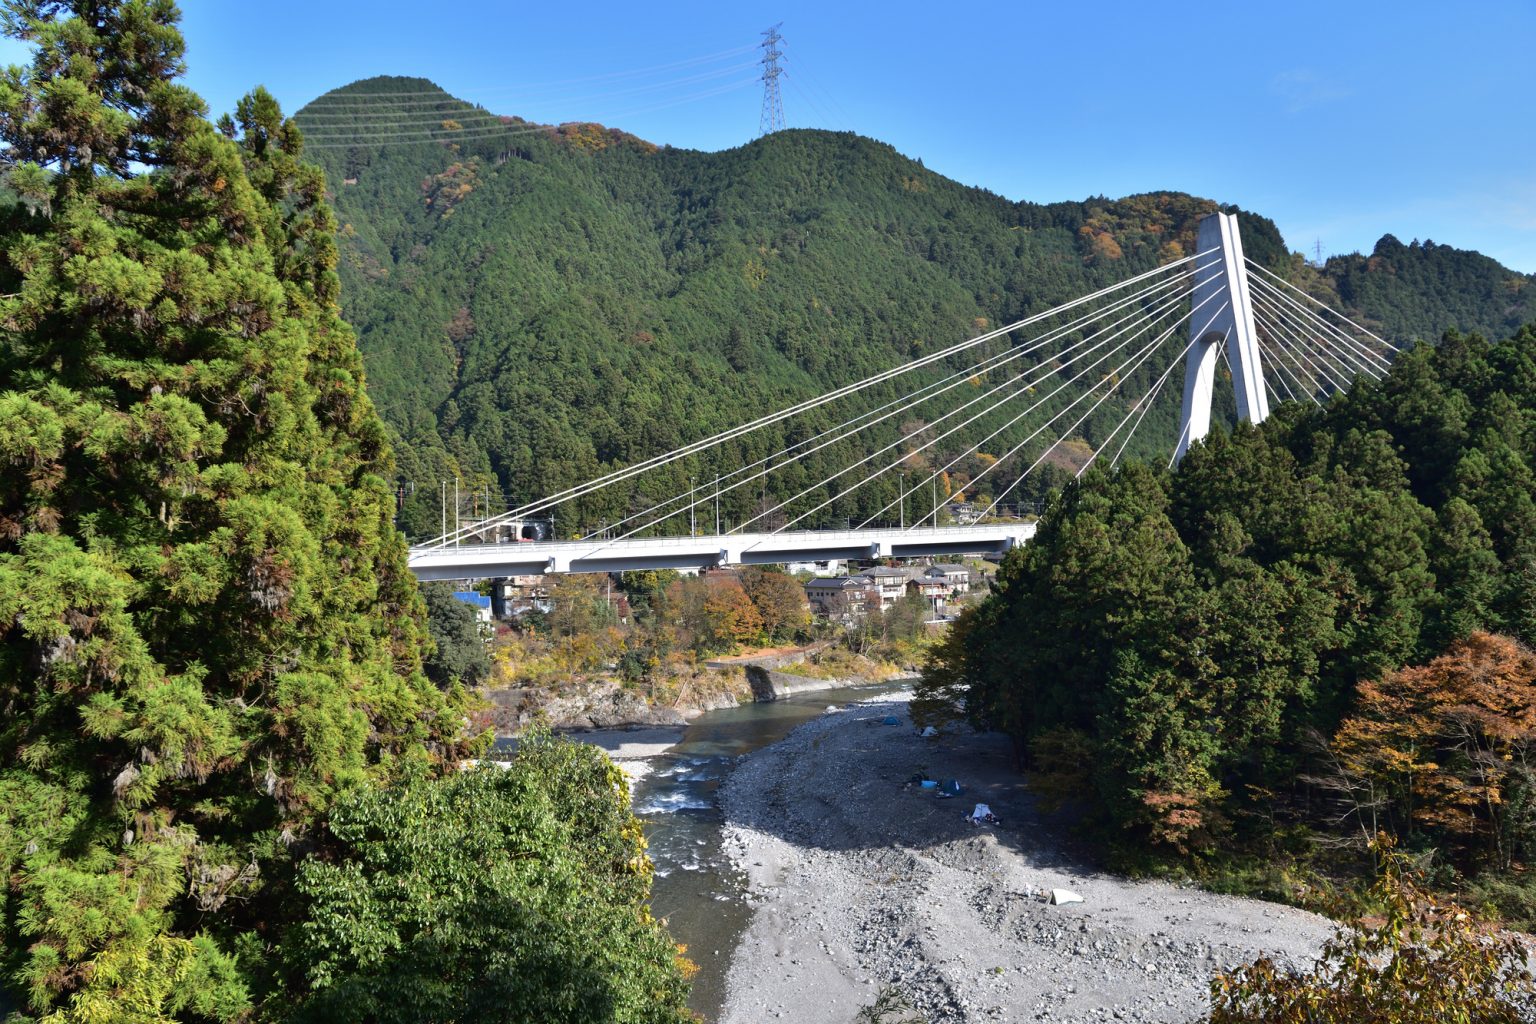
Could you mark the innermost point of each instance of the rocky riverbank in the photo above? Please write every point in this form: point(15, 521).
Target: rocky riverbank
point(608, 704)
point(861, 881)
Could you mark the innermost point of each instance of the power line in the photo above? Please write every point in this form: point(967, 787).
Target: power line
point(772, 118)
point(342, 99)
point(392, 114)
point(370, 140)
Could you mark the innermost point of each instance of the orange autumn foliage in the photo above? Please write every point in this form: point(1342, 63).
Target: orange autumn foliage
point(1445, 739)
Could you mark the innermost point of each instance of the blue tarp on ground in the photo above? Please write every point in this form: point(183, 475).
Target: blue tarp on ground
point(891, 720)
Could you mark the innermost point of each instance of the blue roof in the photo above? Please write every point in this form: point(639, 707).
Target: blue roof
point(470, 597)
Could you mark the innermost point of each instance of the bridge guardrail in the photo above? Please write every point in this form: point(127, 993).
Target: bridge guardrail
point(747, 539)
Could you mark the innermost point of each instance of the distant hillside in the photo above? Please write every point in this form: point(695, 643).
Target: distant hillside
point(536, 304)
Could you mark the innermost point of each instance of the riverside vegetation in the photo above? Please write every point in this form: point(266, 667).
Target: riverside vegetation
point(228, 791)
point(1311, 632)
point(658, 654)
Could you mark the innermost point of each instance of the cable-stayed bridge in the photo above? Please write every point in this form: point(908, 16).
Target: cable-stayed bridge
point(1027, 387)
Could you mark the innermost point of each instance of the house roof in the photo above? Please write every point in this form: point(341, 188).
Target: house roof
point(470, 597)
point(948, 567)
point(836, 583)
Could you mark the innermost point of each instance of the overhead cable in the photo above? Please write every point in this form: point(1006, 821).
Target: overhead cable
point(1327, 329)
point(1156, 342)
point(1318, 302)
point(907, 402)
point(1023, 383)
point(615, 476)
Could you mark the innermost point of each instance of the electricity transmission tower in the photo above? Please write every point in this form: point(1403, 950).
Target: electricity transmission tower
point(772, 118)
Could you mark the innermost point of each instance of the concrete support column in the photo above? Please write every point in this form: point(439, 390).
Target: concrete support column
point(1222, 313)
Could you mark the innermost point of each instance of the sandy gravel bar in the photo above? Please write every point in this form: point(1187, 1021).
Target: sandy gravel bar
point(859, 881)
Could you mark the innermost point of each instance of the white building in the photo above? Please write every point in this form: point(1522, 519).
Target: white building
point(831, 567)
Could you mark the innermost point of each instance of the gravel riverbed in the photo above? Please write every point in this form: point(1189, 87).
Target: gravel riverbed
point(859, 881)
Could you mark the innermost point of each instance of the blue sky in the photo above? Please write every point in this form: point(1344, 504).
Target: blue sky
point(1342, 121)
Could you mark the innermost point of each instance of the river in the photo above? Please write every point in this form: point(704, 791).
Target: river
point(695, 891)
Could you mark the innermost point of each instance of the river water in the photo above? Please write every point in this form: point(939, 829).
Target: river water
point(696, 892)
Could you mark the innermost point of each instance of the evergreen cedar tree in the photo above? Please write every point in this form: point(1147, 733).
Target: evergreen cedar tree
point(535, 307)
point(1168, 641)
point(211, 663)
point(460, 655)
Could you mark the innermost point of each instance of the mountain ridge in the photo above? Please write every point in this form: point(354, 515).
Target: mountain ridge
point(538, 303)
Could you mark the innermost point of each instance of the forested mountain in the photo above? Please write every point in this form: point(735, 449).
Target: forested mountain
point(535, 304)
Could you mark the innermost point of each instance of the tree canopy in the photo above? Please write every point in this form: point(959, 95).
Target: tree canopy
point(210, 642)
point(1174, 638)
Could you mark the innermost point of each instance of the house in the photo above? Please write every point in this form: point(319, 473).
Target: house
point(479, 602)
point(842, 599)
point(515, 596)
point(934, 592)
point(954, 576)
point(964, 513)
point(889, 581)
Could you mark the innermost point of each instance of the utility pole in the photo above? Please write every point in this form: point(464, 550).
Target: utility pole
point(693, 531)
point(717, 504)
point(772, 118)
point(442, 487)
point(933, 492)
point(902, 498)
point(455, 511)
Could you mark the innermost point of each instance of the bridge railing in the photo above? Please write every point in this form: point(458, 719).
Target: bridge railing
point(820, 537)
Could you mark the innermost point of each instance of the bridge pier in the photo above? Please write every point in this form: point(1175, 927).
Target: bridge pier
point(1221, 312)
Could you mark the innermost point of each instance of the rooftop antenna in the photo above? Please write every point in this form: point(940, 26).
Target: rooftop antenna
point(772, 118)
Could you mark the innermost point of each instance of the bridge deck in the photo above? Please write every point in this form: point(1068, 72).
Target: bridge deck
point(535, 557)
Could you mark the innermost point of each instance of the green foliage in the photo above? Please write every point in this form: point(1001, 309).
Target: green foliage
point(1182, 633)
point(460, 657)
point(505, 895)
point(889, 1007)
point(586, 306)
point(207, 628)
point(539, 306)
point(1426, 962)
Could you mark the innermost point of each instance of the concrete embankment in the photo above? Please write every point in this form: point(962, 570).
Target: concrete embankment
point(772, 684)
point(767, 675)
point(606, 703)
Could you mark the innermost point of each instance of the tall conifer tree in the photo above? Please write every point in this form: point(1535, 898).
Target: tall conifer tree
point(207, 628)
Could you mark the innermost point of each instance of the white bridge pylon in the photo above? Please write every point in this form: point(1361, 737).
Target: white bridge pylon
point(1223, 284)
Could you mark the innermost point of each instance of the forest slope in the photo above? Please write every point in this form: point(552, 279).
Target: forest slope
point(535, 304)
